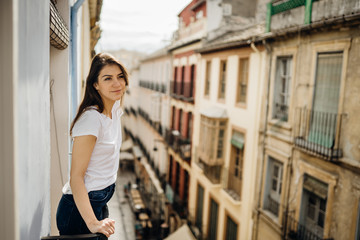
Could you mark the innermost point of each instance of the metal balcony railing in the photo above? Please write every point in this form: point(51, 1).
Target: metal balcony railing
point(178, 143)
point(272, 205)
point(182, 90)
point(155, 86)
point(133, 111)
point(293, 230)
point(213, 173)
point(318, 133)
point(180, 206)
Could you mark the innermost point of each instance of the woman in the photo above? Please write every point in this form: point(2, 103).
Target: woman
point(96, 134)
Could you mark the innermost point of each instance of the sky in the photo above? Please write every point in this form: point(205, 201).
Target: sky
point(140, 25)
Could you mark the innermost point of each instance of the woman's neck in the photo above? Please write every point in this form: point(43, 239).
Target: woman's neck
point(108, 105)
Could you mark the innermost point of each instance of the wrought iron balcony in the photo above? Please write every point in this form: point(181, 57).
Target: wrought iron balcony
point(159, 87)
point(318, 133)
point(133, 111)
point(178, 143)
point(180, 206)
point(182, 90)
point(293, 230)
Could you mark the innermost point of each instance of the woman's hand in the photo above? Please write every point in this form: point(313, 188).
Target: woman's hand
point(105, 226)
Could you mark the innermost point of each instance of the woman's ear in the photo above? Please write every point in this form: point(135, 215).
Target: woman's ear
point(96, 86)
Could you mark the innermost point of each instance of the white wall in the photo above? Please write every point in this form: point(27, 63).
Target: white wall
point(7, 148)
point(32, 119)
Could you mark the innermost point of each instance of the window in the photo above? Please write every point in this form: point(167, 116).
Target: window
point(170, 169)
point(273, 186)
point(186, 186)
point(207, 78)
point(199, 207)
point(175, 80)
point(326, 99)
point(236, 165)
point(192, 78)
point(231, 229)
point(182, 80)
point(180, 126)
point(173, 117)
point(177, 177)
point(222, 80)
point(212, 133)
point(212, 231)
point(242, 80)
point(189, 127)
point(282, 88)
point(313, 208)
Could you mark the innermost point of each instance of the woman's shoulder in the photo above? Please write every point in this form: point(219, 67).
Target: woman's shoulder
point(90, 114)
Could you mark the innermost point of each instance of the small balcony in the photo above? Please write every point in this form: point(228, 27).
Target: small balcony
point(182, 91)
point(318, 133)
point(293, 230)
point(155, 86)
point(231, 183)
point(178, 143)
point(213, 173)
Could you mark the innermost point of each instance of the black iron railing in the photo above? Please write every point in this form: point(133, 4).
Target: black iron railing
point(159, 87)
point(178, 143)
point(182, 90)
point(318, 133)
point(293, 230)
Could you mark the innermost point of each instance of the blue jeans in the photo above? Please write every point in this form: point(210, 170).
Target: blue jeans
point(68, 218)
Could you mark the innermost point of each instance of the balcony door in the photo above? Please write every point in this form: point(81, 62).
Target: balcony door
point(313, 208)
point(326, 99)
point(213, 221)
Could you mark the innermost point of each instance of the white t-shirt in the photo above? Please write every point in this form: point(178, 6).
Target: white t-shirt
point(104, 160)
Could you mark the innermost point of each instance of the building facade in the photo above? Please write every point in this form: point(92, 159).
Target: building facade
point(309, 186)
point(227, 118)
point(188, 37)
point(146, 121)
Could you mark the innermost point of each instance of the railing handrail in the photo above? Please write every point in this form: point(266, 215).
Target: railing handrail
point(318, 132)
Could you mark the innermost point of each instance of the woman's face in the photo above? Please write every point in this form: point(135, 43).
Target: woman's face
point(111, 83)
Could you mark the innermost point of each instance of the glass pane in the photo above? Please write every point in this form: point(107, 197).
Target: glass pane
point(276, 171)
point(274, 184)
point(311, 212)
point(281, 88)
point(326, 98)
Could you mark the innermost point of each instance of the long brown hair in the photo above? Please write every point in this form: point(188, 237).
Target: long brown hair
point(91, 96)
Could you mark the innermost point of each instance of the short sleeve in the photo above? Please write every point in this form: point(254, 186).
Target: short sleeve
point(88, 124)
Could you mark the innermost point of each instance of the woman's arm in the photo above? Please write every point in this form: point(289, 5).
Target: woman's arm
point(82, 149)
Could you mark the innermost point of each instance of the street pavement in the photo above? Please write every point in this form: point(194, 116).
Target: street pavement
point(120, 209)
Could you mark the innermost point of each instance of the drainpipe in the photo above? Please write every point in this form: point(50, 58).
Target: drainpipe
point(73, 66)
point(269, 51)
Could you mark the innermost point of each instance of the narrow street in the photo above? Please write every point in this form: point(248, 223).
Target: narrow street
point(120, 209)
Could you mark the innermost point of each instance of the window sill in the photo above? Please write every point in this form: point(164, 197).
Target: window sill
point(232, 200)
point(241, 105)
point(280, 124)
point(221, 100)
point(271, 219)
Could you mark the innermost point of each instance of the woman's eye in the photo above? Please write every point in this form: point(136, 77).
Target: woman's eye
point(107, 79)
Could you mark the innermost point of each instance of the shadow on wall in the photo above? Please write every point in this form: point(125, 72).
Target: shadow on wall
point(33, 231)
